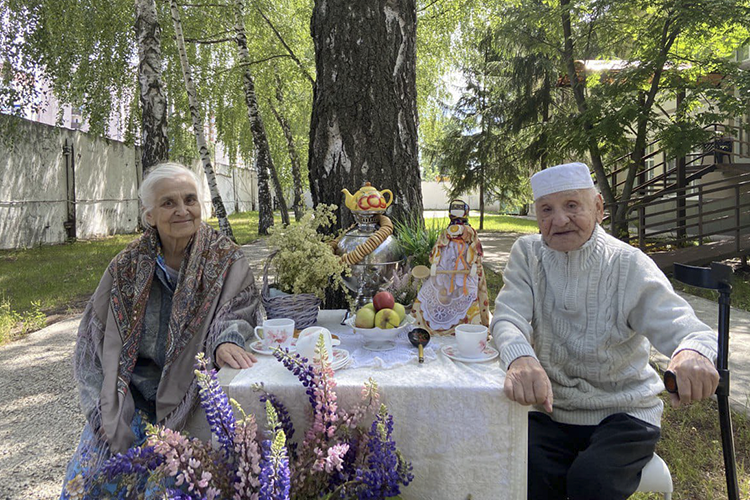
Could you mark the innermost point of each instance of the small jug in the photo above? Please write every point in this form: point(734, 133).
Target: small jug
point(308, 339)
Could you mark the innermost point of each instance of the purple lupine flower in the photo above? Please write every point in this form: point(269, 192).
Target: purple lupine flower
point(386, 468)
point(216, 405)
point(275, 483)
point(173, 494)
point(139, 460)
point(301, 369)
point(284, 419)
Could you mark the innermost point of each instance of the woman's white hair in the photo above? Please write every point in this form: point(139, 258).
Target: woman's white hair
point(159, 172)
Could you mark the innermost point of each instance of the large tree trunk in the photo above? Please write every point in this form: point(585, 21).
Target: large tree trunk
point(364, 117)
point(197, 119)
point(297, 205)
point(263, 159)
point(154, 143)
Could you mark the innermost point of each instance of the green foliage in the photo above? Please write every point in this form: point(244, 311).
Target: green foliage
point(417, 238)
point(8, 320)
point(305, 262)
point(85, 50)
point(14, 324)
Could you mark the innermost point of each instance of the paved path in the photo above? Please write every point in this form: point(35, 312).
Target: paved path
point(40, 421)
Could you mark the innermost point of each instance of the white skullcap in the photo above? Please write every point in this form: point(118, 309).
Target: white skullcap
point(561, 178)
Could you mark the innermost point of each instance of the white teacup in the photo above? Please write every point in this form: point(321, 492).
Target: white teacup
point(277, 332)
point(471, 340)
point(308, 339)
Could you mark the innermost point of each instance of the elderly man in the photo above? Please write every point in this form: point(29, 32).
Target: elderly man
point(573, 325)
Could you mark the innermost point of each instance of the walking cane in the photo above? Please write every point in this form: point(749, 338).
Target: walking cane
point(717, 277)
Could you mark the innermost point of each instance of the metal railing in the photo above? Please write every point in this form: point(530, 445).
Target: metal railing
point(708, 210)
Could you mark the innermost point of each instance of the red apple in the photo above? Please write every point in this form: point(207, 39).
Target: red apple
point(386, 319)
point(383, 300)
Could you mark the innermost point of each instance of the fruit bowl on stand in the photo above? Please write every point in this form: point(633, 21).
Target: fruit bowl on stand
point(381, 339)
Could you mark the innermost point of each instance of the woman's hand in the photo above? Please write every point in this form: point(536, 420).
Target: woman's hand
point(234, 356)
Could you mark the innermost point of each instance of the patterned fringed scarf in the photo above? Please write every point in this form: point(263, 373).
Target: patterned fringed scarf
point(201, 279)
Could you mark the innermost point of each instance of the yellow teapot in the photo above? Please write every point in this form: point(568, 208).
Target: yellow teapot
point(368, 199)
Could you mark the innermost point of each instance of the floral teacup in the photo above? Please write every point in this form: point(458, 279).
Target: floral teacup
point(276, 333)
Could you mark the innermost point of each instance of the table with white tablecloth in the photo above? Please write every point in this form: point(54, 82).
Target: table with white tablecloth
point(452, 420)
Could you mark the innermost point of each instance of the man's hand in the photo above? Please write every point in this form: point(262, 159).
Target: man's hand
point(527, 383)
point(697, 377)
point(234, 356)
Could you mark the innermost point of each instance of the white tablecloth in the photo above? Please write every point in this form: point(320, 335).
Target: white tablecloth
point(452, 420)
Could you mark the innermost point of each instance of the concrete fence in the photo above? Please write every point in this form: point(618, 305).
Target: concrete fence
point(57, 184)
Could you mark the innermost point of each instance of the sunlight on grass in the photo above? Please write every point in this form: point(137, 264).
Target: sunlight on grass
point(245, 225)
point(690, 444)
point(55, 275)
point(495, 224)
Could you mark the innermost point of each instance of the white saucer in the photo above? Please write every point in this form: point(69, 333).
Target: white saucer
point(341, 358)
point(258, 347)
point(452, 352)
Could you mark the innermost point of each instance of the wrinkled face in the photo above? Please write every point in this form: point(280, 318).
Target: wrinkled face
point(567, 219)
point(176, 214)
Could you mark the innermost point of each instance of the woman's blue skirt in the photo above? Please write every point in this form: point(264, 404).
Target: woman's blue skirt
point(83, 478)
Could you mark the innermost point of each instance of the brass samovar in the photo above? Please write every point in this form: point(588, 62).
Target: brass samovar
point(369, 246)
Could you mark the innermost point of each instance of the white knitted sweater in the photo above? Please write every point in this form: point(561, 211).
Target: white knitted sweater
point(588, 316)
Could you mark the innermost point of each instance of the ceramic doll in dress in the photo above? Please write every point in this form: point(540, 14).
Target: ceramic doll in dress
point(456, 290)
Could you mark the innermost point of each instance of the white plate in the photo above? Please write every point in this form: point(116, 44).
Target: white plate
point(258, 347)
point(341, 358)
point(452, 352)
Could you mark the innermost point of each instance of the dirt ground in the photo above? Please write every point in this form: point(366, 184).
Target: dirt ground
point(40, 421)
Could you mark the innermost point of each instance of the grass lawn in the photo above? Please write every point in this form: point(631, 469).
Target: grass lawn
point(493, 223)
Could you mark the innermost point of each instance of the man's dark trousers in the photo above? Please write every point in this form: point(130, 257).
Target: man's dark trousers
point(588, 462)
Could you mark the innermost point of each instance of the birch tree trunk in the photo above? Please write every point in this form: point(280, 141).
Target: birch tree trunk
point(292, 149)
point(262, 150)
point(364, 116)
point(197, 119)
point(154, 142)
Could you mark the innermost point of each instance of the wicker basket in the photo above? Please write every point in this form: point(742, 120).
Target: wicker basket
point(301, 307)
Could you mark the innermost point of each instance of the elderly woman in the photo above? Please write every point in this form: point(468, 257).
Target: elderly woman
point(180, 289)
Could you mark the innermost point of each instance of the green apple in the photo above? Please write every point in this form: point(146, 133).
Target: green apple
point(370, 306)
point(365, 317)
point(401, 310)
point(387, 318)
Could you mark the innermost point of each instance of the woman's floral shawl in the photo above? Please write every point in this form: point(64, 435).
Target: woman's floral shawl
point(215, 286)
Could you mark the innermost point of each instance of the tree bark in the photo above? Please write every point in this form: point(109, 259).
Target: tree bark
point(297, 205)
point(263, 160)
point(154, 142)
point(197, 119)
point(364, 116)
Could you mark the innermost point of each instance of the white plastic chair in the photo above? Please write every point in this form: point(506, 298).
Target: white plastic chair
point(656, 478)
